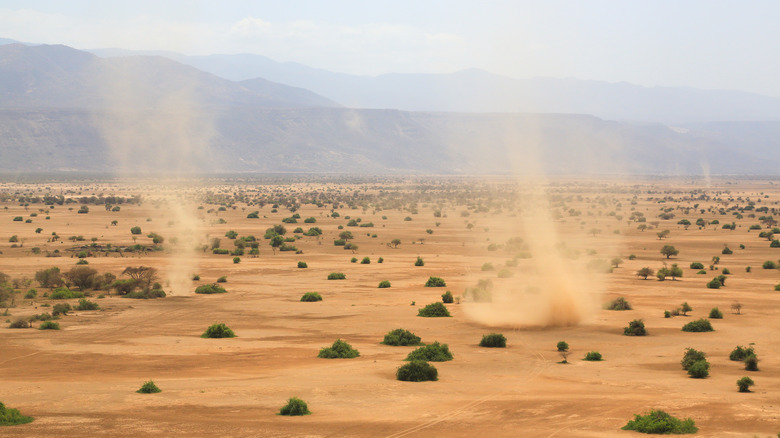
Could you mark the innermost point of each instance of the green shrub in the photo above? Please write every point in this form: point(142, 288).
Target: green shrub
point(435, 352)
point(339, 242)
point(383, 284)
point(660, 423)
point(19, 323)
point(366, 261)
point(417, 371)
point(339, 350)
point(210, 289)
point(295, 407)
point(135, 230)
point(699, 369)
point(63, 293)
point(769, 264)
point(714, 284)
point(751, 363)
point(562, 346)
point(744, 384)
point(740, 353)
point(635, 328)
point(697, 265)
point(149, 388)
point(311, 296)
point(592, 356)
point(60, 309)
point(691, 356)
point(619, 303)
point(433, 310)
point(726, 271)
point(488, 267)
point(145, 295)
point(220, 251)
point(401, 337)
point(217, 331)
point(49, 325)
point(353, 260)
point(667, 314)
point(700, 325)
point(336, 276)
point(85, 304)
point(715, 313)
point(236, 260)
point(380, 260)
point(435, 282)
point(11, 417)
point(447, 298)
point(493, 340)
point(32, 293)
point(419, 262)
point(222, 279)
point(302, 265)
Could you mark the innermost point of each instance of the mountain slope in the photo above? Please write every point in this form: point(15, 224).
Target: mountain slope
point(60, 77)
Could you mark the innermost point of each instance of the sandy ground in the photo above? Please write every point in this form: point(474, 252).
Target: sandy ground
point(81, 380)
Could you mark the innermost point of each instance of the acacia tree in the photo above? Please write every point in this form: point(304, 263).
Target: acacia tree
point(144, 276)
point(669, 250)
point(644, 273)
point(82, 277)
point(394, 243)
point(276, 242)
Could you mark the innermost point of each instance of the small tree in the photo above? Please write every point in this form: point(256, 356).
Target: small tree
point(419, 262)
point(685, 308)
point(751, 363)
point(669, 250)
point(744, 384)
point(644, 273)
point(447, 298)
point(635, 328)
point(562, 346)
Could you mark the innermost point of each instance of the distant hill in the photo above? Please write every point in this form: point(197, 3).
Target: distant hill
point(63, 77)
point(480, 91)
point(65, 109)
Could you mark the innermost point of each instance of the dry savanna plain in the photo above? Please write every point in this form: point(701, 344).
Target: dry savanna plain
point(537, 262)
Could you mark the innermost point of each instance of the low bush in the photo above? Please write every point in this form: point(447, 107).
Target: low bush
point(302, 265)
point(311, 296)
point(635, 328)
point(697, 265)
point(149, 388)
point(419, 262)
point(740, 353)
point(744, 384)
point(209, 289)
point(435, 282)
point(661, 423)
point(353, 260)
point(19, 323)
point(692, 356)
point(295, 407)
point(417, 371)
point(49, 325)
point(699, 369)
point(493, 340)
point(435, 352)
point(714, 283)
point(592, 356)
point(383, 284)
point(751, 363)
point(401, 337)
point(447, 298)
point(667, 314)
point(619, 303)
point(366, 261)
point(63, 293)
point(700, 325)
point(12, 417)
point(222, 279)
point(715, 313)
point(216, 331)
point(433, 310)
point(146, 295)
point(380, 260)
point(85, 304)
point(336, 276)
point(60, 309)
point(339, 350)
point(769, 264)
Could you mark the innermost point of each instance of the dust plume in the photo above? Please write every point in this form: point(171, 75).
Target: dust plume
point(159, 135)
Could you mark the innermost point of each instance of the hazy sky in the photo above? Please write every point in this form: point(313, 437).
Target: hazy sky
point(703, 43)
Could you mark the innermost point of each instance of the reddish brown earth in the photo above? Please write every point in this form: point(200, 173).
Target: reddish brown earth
point(81, 380)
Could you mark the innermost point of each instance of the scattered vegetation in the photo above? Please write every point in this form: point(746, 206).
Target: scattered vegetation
point(339, 350)
point(493, 340)
point(210, 289)
point(12, 417)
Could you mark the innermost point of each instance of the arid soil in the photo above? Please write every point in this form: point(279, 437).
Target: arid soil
point(82, 380)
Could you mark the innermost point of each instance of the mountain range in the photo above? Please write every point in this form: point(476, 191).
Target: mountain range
point(67, 109)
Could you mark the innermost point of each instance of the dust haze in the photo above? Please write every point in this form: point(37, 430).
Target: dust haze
point(159, 137)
